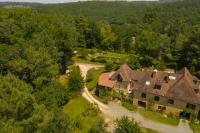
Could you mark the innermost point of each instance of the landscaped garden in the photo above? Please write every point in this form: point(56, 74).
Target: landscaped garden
point(95, 56)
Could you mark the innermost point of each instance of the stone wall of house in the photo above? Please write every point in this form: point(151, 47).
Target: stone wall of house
point(175, 108)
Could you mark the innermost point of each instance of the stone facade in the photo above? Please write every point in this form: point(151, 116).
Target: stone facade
point(176, 108)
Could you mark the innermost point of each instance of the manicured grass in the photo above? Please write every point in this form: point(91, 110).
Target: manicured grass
point(195, 127)
point(94, 76)
point(75, 109)
point(158, 117)
point(129, 106)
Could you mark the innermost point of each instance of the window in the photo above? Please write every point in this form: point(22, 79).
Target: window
point(170, 101)
point(143, 95)
point(190, 106)
point(119, 78)
point(157, 86)
point(161, 108)
point(196, 90)
point(156, 98)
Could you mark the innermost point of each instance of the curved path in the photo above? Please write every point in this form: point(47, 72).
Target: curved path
point(113, 111)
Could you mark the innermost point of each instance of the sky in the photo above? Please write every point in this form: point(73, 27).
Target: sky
point(57, 1)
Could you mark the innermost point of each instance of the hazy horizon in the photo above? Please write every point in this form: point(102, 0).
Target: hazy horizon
point(61, 1)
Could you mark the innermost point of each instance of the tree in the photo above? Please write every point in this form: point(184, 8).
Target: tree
point(153, 46)
point(108, 38)
point(190, 54)
point(124, 125)
point(75, 81)
point(21, 113)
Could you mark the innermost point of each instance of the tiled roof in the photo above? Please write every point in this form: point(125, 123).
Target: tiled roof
point(104, 80)
point(124, 71)
point(178, 85)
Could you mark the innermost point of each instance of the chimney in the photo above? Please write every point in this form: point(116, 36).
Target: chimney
point(154, 73)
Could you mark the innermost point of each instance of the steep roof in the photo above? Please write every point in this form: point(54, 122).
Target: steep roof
point(124, 71)
point(179, 85)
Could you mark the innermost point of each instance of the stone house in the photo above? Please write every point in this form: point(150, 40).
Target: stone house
point(177, 93)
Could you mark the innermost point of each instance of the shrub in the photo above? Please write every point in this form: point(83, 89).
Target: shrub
point(91, 111)
point(98, 127)
point(109, 67)
point(124, 125)
point(90, 75)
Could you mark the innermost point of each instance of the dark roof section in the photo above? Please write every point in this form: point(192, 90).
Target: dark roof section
point(125, 72)
point(178, 85)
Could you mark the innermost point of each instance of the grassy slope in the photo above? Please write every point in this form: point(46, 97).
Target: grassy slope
point(75, 108)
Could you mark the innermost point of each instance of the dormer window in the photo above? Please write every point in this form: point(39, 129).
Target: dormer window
point(119, 78)
point(172, 77)
point(147, 83)
point(166, 78)
point(195, 82)
point(157, 86)
point(196, 91)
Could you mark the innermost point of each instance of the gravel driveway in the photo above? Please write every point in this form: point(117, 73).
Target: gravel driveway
point(114, 110)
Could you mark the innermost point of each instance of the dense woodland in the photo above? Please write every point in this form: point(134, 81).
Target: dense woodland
point(37, 42)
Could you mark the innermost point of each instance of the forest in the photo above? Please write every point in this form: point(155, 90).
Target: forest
point(37, 43)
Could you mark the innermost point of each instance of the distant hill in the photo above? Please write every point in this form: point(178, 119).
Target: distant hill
point(7, 4)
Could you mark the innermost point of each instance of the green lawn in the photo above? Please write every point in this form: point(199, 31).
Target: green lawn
point(195, 127)
point(75, 109)
point(94, 76)
point(158, 117)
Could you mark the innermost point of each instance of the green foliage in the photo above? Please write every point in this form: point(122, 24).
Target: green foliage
point(75, 82)
point(91, 111)
point(190, 52)
point(21, 113)
point(75, 109)
point(155, 32)
point(92, 77)
point(195, 127)
point(124, 125)
point(109, 67)
point(98, 127)
point(158, 117)
point(129, 106)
